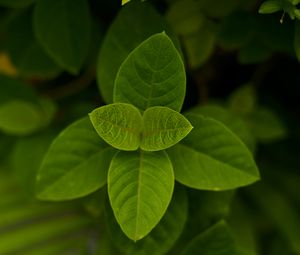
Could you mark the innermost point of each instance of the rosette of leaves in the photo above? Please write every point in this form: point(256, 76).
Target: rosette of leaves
point(141, 143)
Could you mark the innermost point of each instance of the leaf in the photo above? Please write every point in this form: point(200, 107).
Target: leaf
point(62, 27)
point(270, 6)
point(152, 75)
point(75, 165)
point(211, 157)
point(163, 128)
point(266, 126)
point(140, 187)
point(162, 237)
point(16, 3)
point(20, 118)
point(120, 125)
point(230, 120)
point(25, 52)
point(216, 240)
point(143, 21)
point(125, 2)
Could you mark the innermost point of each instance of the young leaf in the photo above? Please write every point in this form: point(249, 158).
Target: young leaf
point(120, 125)
point(163, 128)
point(162, 237)
point(152, 75)
point(211, 157)
point(218, 239)
point(75, 165)
point(140, 187)
point(143, 21)
point(63, 29)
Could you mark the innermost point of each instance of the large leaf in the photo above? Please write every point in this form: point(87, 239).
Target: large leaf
point(75, 165)
point(26, 54)
point(119, 124)
point(140, 187)
point(162, 237)
point(211, 157)
point(152, 75)
point(217, 240)
point(143, 22)
point(63, 29)
point(163, 128)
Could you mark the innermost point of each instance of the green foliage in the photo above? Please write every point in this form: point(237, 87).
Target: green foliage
point(123, 171)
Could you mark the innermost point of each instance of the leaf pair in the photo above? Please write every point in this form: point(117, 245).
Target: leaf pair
point(123, 127)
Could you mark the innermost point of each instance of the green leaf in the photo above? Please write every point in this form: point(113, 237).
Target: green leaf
point(125, 2)
point(243, 100)
point(163, 128)
point(25, 52)
point(211, 157)
point(120, 125)
point(143, 21)
point(266, 126)
point(62, 27)
point(230, 120)
point(162, 237)
point(140, 187)
point(75, 165)
point(16, 3)
point(152, 75)
point(216, 240)
point(20, 117)
point(270, 6)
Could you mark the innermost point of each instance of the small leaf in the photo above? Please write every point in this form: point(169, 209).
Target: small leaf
point(218, 239)
point(125, 2)
point(16, 3)
point(163, 128)
point(140, 187)
point(75, 165)
point(143, 21)
point(270, 6)
point(19, 117)
point(152, 75)
point(162, 237)
point(211, 157)
point(119, 124)
point(62, 27)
